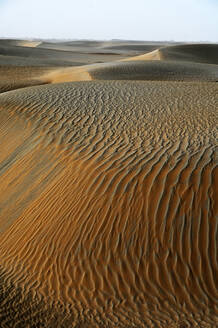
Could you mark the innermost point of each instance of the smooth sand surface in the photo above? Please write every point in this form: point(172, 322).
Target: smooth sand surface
point(108, 204)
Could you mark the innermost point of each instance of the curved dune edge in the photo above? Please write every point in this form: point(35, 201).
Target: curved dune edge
point(124, 230)
point(182, 55)
point(153, 55)
point(82, 73)
point(186, 57)
point(156, 71)
point(199, 53)
point(136, 70)
point(69, 74)
point(144, 70)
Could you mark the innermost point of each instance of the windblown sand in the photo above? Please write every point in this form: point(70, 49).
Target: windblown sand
point(108, 204)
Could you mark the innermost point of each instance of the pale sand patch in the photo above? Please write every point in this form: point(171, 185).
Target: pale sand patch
point(31, 44)
point(154, 55)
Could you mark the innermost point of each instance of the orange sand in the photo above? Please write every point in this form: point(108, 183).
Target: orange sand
point(108, 207)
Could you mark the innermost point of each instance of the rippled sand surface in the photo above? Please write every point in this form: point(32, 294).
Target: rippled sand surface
point(16, 77)
point(108, 212)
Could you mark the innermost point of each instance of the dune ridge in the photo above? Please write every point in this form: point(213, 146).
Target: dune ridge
point(136, 71)
point(20, 77)
point(37, 64)
point(153, 55)
point(172, 63)
point(122, 232)
point(199, 53)
point(155, 71)
point(59, 54)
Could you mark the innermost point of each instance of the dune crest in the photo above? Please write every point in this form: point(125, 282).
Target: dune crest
point(199, 53)
point(69, 74)
point(136, 70)
point(154, 55)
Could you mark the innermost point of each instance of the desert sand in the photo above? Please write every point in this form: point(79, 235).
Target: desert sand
point(108, 184)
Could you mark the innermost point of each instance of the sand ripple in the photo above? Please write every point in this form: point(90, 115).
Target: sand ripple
point(119, 225)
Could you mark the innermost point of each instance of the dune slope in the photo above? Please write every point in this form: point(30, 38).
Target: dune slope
point(21, 53)
point(16, 77)
point(155, 71)
point(200, 53)
point(136, 70)
point(118, 225)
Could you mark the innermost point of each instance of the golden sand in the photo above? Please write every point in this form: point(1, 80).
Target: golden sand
point(108, 211)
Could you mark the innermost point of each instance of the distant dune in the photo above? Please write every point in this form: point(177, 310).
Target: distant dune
point(174, 63)
point(101, 47)
point(199, 53)
point(18, 42)
point(30, 44)
point(136, 70)
point(36, 53)
point(108, 205)
point(155, 70)
point(153, 55)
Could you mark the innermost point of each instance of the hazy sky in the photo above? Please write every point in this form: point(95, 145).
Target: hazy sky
point(181, 20)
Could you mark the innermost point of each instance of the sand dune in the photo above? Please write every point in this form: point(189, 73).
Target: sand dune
point(158, 65)
point(30, 44)
point(18, 42)
point(22, 53)
point(199, 53)
point(16, 77)
point(155, 70)
point(23, 66)
point(33, 56)
point(108, 209)
point(136, 70)
point(87, 52)
point(153, 55)
point(113, 46)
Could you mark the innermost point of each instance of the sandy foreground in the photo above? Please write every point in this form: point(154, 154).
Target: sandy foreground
point(108, 184)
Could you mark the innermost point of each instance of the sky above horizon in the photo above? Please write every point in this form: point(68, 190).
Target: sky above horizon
point(178, 20)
